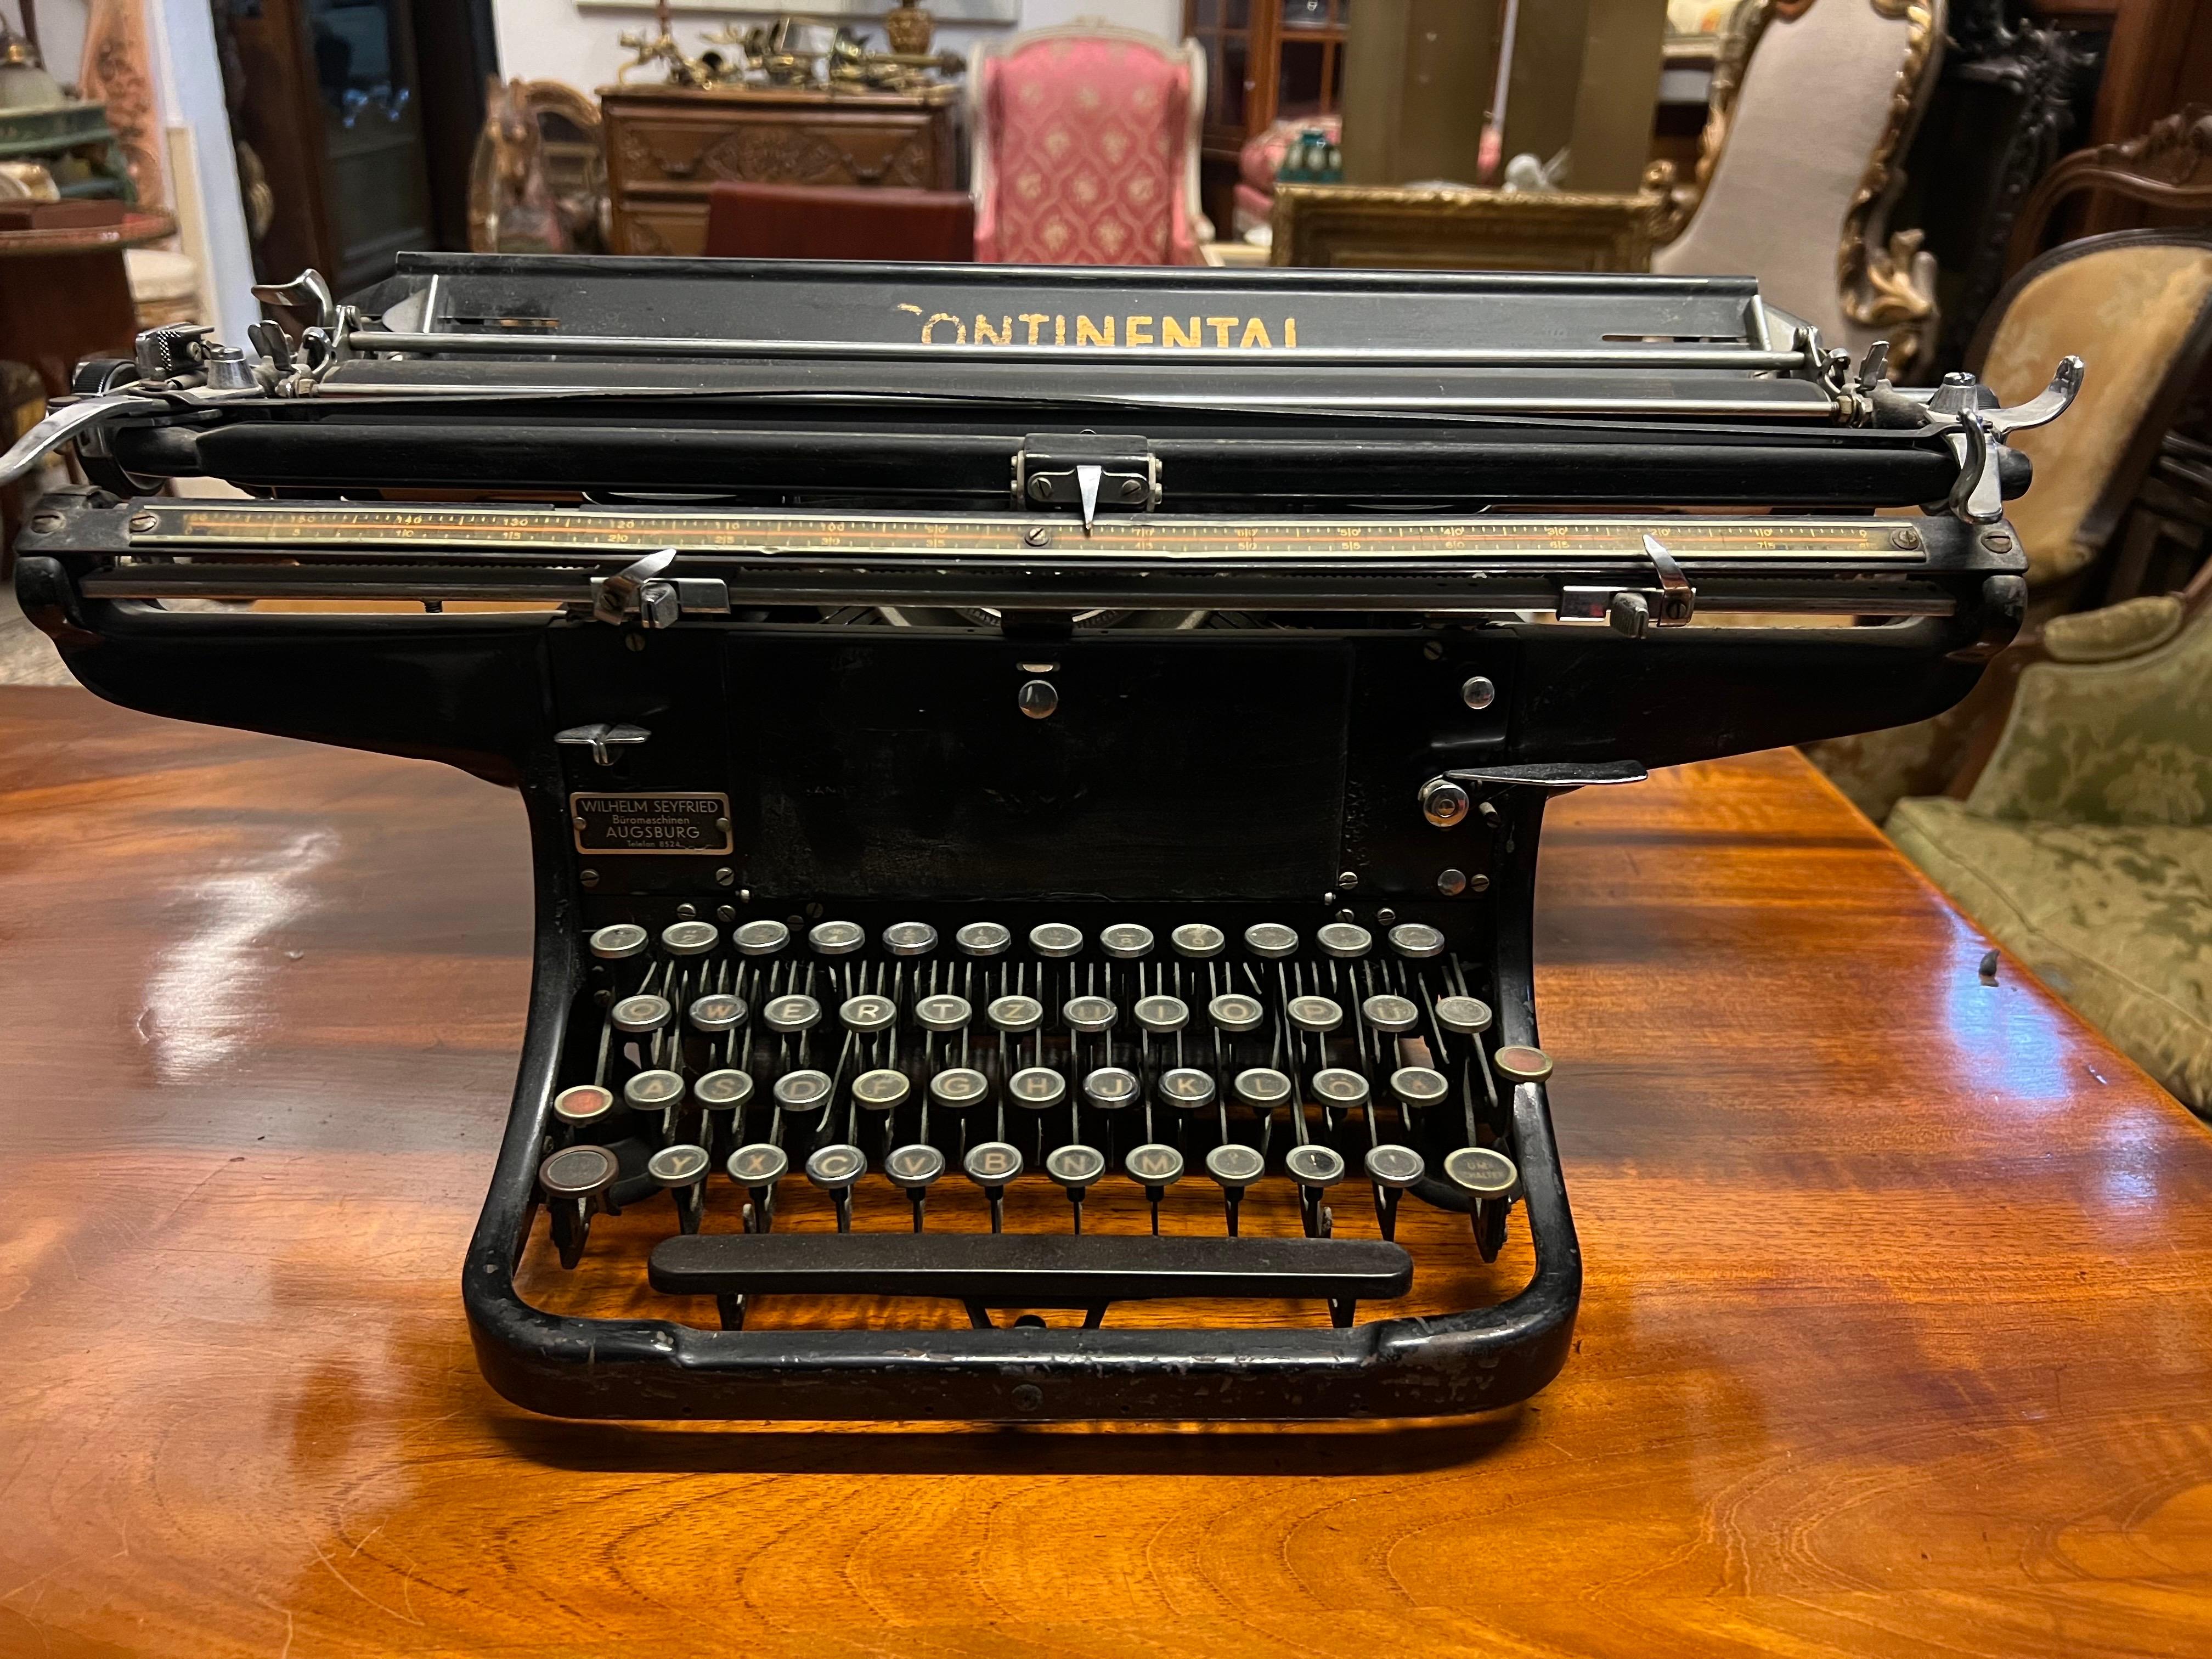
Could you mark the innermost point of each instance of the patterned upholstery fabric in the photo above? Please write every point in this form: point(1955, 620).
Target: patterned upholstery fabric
point(1086, 138)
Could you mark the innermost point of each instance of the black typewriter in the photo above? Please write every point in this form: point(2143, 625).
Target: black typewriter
point(1035, 775)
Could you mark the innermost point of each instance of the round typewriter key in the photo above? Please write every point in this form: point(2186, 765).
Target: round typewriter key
point(1314, 1013)
point(1335, 1086)
point(791, 1013)
point(984, 939)
point(587, 1103)
point(578, 1172)
point(1262, 1087)
point(689, 938)
point(1089, 1014)
point(762, 938)
point(991, 1163)
point(1314, 1165)
point(677, 1166)
point(1235, 1012)
point(913, 1167)
point(868, 1014)
point(1056, 938)
point(653, 1092)
point(1198, 939)
point(1076, 1166)
point(837, 938)
point(638, 1015)
point(1517, 1063)
point(1186, 1088)
point(1271, 939)
point(1418, 1086)
point(1483, 1172)
point(757, 1164)
point(943, 1012)
point(881, 1090)
point(1469, 1016)
point(959, 1086)
point(1153, 1165)
point(1109, 1088)
point(802, 1091)
point(909, 938)
point(1344, 939)
point(1416, 940)
point(1394, 1166)
point(718, 1091)
point(833, 1168)
point(1126, 940)
point(1015, 1015)
point(1160, 1015)
point(1390, 1013)
point(622, 941)
point(1037, 1087)
point(1235, 1165)
point(717, 1013)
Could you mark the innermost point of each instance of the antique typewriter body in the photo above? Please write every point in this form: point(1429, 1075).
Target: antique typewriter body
point(1035, 775)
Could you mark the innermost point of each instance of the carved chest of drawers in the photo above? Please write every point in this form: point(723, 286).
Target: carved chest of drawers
point(666, 146)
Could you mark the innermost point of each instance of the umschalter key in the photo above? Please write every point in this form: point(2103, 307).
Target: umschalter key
point(575, 1180)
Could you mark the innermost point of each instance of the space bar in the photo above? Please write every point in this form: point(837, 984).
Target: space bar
point(1027, 1270)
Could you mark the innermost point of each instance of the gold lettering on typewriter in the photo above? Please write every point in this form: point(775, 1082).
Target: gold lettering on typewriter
point(1256, 333)
point(1172, 333)
point(1221, 325)
point(1243, 333)
point(1129, 335)
point(1034, 318)
point(1087, 333)
point(985, 335)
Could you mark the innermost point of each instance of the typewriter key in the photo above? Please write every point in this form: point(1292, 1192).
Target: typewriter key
point(1235, 1012)
point(1037, 1087)
point(1314, 1165)
point(1469, 1016)
point(1314, 1013)
point(577, 1172)
point(959, 1086)
point(1235, 1165)
point(1517, 1063)
point(1271, 939)
point(1198, 939)
point(1109, 1088)
point(640, 1015)
point(1416, 940)
point(1015, 1015)
point(1344, 939)
point(909, 938)
point(1418, 1086)
point(1186, 1088)
point(802, 1091)
point(835, 1169)
point(984, 939)
point(1154, 1166)
point(723, 1090)
point(837, 938)
point(1075, 1167)
point(1262, 1088)
point(1091, 1014)
point(654, 1092)
point(1390, 1013)
point(1396, 1167)
point(791, 1013)
point(618, 942)
point(758, 1164)
point(1160, 1015)
point(681, 1171)
point(881, 1091)
point(762, 938)
point(587, 1103)
point(1126, 940)
point(716, 1013)
point(689, 938)
point(943, 1012)
point(1483, 1172)
point(1340, 1090)
point(868, 1014)
point(991, 1163)
point(1056, 938)
point(913, 1167)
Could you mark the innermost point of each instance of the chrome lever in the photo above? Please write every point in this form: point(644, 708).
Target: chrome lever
point(625, 591)
point(2047, 405)
point(64, 425)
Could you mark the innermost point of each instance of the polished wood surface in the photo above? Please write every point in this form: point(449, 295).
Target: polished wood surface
point(1897, 1337)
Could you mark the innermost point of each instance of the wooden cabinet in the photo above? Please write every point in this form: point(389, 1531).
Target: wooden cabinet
point(667, 145)
point(1266, 60)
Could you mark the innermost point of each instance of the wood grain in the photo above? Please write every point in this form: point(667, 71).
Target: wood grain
point(1895, 1338)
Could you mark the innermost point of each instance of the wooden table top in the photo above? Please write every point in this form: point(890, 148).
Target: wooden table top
point(1897, 1337)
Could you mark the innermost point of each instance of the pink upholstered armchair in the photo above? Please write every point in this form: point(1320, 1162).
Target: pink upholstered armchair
point(1086, 148)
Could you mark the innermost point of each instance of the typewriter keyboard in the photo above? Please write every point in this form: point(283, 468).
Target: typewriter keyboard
point(1047, 1115)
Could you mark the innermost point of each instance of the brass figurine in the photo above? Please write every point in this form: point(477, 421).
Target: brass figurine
point(773, 54)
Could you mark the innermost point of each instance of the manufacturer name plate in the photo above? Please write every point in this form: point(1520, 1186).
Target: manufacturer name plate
point(651, 822)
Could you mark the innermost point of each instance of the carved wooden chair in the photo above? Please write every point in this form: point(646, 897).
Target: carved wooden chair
point(1085, 148)
point(2168, 167)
